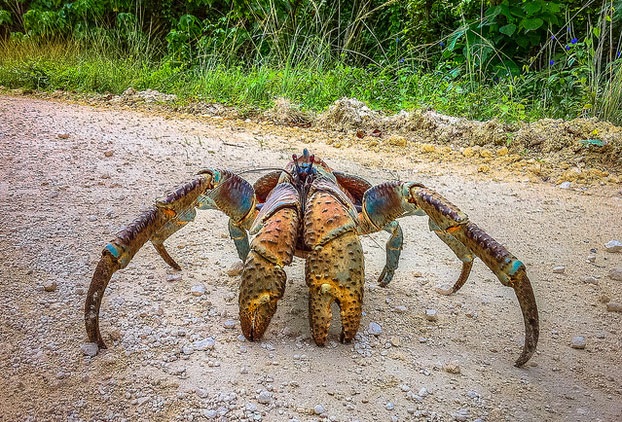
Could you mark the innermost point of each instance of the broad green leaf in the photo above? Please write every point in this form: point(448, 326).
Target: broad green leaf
point(532, 8)
point(596, 31)
point(531, 24)
point(508, 29)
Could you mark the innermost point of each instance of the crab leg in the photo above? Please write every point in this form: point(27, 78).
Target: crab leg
point(334, 268)
point(388, 201)
point(273, 247)
point(210, 189)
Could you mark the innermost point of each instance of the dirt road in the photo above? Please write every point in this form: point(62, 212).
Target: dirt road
point(71, 176)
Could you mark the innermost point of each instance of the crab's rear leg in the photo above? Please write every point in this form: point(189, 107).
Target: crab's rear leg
point(465, 239)
point(272, 248)
point(334, 268)
point(385, 202)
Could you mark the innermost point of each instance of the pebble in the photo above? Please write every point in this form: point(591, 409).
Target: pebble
point(461, 415)
point(89, 349)
point(173, 277)
point(578, 342)
point(614, 307)
point(197, 290)
point(588, 279)
point(560, 269)
point(92, 218)
point(201, 392)
point(319, 409)
point(108, 153)
point(389, 406)
point(374, 329)
point(564, 185)
point(236, 269)
point(616, 273)
point(210, 413)
point(431, 314)
point(205, 344)
point(229, 324)
point(452, 367)
point(613, 246)
point(50, 286)
point(400, 309)
point(264, 397)
point(63, 135)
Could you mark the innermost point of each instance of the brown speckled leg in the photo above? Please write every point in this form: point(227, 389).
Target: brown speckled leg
point(334, 267)
point(263, 278)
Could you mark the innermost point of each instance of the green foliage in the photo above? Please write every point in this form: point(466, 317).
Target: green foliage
point(480, 59)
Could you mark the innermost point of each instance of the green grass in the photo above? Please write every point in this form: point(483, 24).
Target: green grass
point(70, 67)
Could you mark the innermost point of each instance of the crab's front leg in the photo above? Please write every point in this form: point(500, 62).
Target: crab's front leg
point(385, 202)
point(272, 248)
point(334, 268)
point(210, 189)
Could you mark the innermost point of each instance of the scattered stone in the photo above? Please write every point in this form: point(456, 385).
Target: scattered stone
point(63, 135)
point(201, 392)
point(614, 307)
point(591, 259)
point(616, 273)
point(431, 314)
point(588, 279)
point(578, 342)
point(564, 185)
point(461, 415)
point(205, 344)
point(50, 286)
point(389, 406)
point(197, 290)
point(559, 269)
point(264, 397)
point(374, 329)
point(319, 409)
point(210, 413)
point(395, 341)
point(92, 218)
point(613, 246)
point(452, 367)
point(400, 309)
point(89, 349)
point(173, 277)
point(604, 298)
point(187, 349)
point(109, 153)
point(236, 269)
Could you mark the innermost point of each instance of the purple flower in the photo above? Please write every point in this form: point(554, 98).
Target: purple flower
point(618, 55)
point(552, 37)
point(574, 40)
point(567, 47)
point(442, 44)
point(551, 62)
point(402, 60)
point(397, 40)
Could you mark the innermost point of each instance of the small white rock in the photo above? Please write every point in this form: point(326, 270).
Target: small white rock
point(374, 329)
point(614, 307)
point(578, 342)
point(205, 344)
point(50, 286)
point(564, 185)
point(613, 246)
point(89, 349)
point(319, 409)
point(559, 269)
point(431, 314)
point(197, 290)
point(615, 273)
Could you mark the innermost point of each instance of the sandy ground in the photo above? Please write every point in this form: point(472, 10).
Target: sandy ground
point(72, 176)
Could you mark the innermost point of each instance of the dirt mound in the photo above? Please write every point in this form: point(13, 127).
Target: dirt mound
point(285, 113)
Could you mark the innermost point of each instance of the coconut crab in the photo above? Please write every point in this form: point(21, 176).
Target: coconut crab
point(311, 211)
